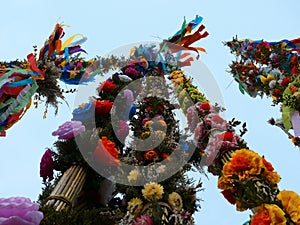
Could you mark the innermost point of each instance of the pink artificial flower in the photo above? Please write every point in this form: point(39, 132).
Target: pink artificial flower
point(131, 72)
point(123, 130)
point(46, 166)
point(19, 211)
point(143, 220)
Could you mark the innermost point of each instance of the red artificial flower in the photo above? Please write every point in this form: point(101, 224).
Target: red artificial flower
point(228, 195)
point(276, 93)
point(151, 154)
point(293, 89)
point(106, 153)
point(285, 81)
point(205, 106)
point(102, 107)
point(267, 164)
point(228, 136)
point(108, 86)
point(166, 156)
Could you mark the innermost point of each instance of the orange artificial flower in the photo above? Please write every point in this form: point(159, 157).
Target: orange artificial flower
point(244, 162)
point(268, 214)
point(291, 203)
point(151, 154)
point(106, 153)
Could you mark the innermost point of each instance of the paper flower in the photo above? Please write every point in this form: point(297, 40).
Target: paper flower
point(123, 130)
point(46, 166)
point(84, 112)
point(102, 107)
point(175, 201)
point(107, 86)
point(69, 130)
point(144, 220)
point(133, 175)
point(151, 154)
point(129, 97)
point(268, 214)
point(153, 190)
point(131, 72)
point(291, 203)
point(19, 211)
point(106, 154)
point(135, 206)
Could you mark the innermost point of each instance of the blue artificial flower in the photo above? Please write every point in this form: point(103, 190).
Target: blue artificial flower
point(84, 112)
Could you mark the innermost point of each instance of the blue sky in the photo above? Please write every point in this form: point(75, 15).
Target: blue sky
point(111, 24)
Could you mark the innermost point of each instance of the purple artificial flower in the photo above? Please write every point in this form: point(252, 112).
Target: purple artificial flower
point(19, 211)
point(131, 72)
point(123, 130)
point(129, 96)
point(46, 166)
point(69, 130)
point(143, 220)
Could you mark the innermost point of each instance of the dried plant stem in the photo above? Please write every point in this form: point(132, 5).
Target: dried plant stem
point(68, 188)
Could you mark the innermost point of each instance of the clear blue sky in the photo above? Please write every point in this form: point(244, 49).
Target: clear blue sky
point(114, 23)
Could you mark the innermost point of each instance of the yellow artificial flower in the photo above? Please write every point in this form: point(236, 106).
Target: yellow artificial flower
point(153, 190)
point(175, 201)
point(135, 206)
point(133, 175)
point(291, 203)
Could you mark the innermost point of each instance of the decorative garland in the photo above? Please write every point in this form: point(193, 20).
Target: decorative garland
point(271, 69)
point(246, 179)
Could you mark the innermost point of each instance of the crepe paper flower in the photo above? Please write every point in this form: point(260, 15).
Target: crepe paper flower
point(69, 130)
point(102, 107)
point(151, 154)
point(123, 130)
point(213, 120)
point(166, 156)
point(46, 166)
point(19, 211)
point(84, 112)
point(144, 220)
point(268, 214)
point(269, 172)
point(124, 78)
point(135, 206)
point(107, 86)
point(192, 118)
point(131, 72)
point(199, 133)
point(285, 81)
point(106, 154)
point(133, 175)
point(291, 203)
point(153, 191)
point(244, 163)
point(203, 106)
point(175, 201)
point(128, 96)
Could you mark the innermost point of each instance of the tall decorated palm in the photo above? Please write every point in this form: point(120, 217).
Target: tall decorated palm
point(125, 156)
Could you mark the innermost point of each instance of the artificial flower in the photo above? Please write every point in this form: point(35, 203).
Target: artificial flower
point(106, 154)
point(151, 154)
point(46, 166)
point(107, 86)
point(268, 214)
point(123, 130)
point(102, 107)
point(69, 130)
point(133, 175)
point(135, 206)
point(291, 203)
point(192, 118)
point(175, 201)
point(153, 191)
point(128, 96)
point(144, 220)
point(131, 72)
point(84, 112)
point(19, 211)
point(244, 163)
